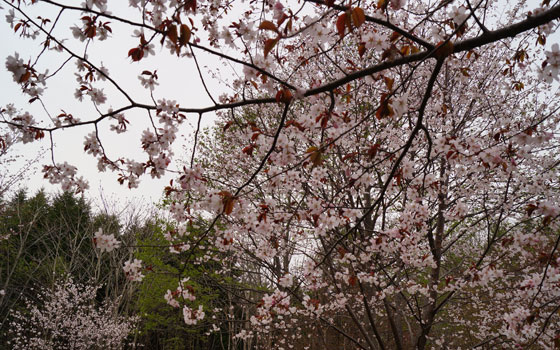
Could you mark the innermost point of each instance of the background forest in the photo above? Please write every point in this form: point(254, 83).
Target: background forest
point(49, 241)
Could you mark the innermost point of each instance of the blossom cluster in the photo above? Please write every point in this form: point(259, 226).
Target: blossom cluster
point(192, 316)
point(133, 270)
point(68, 314)
point(551, 68)
point(105, 243)
point(65, 175)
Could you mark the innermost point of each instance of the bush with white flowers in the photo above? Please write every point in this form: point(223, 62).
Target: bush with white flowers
point(68, 317)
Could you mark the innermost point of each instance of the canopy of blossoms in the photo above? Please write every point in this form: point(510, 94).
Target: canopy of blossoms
point(388, 169)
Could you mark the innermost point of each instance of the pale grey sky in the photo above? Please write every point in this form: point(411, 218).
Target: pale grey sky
point(178, 81)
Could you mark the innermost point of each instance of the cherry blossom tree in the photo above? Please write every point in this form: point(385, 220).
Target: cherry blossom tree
point(388, 169)
point(69, 319)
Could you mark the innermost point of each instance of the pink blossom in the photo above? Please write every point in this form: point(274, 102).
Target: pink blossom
point(105, 242)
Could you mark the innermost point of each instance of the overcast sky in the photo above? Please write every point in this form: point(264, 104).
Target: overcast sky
point(178, 81)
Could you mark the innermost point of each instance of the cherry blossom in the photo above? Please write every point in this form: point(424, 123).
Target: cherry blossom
point(552, 67)
point(191, 316)
point(133, 270)
point(15, 65)
point(105, 242)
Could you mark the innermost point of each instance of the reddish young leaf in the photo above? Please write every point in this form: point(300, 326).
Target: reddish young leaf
point(389, 83)
point(382, 4)
point(372, 151)
point(358, 17)
point(90, 31)
point(395, 36)
point(341, 24)
point(384, 110)
point(316, 156)
point(282, 19)
point(520, 55)
point(136, 54)
point(172, 34)
point(398, 177)
point(39, 134)
point(269, 45)
point(185, 35)
point(248, 150)
point(267, 25)
point(25, 77)
point(361, 49)
point(284, 95)
point(228, 201)
point(296, 124)
point(190, 5)
point(349, 156)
